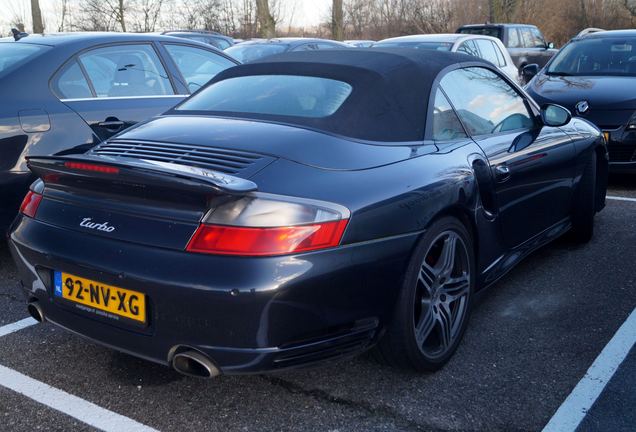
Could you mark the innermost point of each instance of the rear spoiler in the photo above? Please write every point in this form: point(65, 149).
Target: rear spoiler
point(129, 169)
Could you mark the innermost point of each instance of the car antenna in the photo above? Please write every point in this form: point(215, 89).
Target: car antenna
point(17, 34)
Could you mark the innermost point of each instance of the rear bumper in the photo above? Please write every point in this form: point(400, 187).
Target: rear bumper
point(246, 314)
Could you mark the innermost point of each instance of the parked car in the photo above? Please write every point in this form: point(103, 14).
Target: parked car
point(360, 43)
point(77, 89)
point(485, 47)
point(594, 76)
point(190, 240)
point(524, 42)
point(217, 40)
point(589, 30)
point(256, 49)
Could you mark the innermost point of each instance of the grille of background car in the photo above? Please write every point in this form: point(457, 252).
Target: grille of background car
point(622, 152)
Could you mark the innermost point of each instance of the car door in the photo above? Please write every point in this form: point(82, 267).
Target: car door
point(535, 46)
point(468, 47)
point(531, 165)
point(126, 83)
point(195, 66)
point(506, 64)
point(487, 51)
point(542, 52)
point(514, 45)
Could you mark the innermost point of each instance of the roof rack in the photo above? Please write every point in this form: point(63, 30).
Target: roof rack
point(589, 30)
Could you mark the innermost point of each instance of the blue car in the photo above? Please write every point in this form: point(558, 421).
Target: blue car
point(307, 207)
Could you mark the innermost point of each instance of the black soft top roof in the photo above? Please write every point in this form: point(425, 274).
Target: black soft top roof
point(391, 88)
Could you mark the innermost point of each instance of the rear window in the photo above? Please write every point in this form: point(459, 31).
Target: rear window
point(277, 95)
point(485, 31)
point(14, 54)
point(439, 46)
point(250, 52)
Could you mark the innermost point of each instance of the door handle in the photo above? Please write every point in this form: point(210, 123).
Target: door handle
point(502, 173)
point(111, 124)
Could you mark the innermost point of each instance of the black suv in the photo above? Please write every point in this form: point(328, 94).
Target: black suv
point(594, 76)
point(524, 42)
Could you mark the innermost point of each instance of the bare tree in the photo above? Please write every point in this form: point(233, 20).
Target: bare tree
point(63, 15)
point(337, 20)
point(431, 16)
point(147, 14)
point(265, 19)
point(103, 15)
point(630, 5)
point(501, 10)
point(36, 15)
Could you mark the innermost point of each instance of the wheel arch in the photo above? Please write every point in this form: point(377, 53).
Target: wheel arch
point(466, 217)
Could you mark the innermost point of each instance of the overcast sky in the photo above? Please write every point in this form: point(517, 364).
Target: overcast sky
point(307, 12)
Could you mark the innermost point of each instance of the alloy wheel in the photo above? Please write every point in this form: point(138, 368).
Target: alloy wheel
point(441, 295)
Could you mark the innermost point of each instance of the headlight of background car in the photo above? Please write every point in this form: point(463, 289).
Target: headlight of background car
point(631, 124)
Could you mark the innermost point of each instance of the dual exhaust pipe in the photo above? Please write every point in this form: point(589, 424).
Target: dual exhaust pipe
point(190, 362)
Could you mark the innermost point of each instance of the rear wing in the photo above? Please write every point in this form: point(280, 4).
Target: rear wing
point(137, 171)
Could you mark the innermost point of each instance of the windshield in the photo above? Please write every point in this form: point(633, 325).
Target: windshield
point(439, 46)
point(246, 53)
point(278, 95)
point(14, 54)
point(485, 31)
point(596, 56)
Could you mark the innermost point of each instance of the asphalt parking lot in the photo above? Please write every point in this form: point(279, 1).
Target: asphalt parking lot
point(531, 339)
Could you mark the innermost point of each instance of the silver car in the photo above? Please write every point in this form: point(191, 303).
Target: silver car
point(485, 47)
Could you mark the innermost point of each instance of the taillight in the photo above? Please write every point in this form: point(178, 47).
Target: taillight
point(30, 204)
point(82, 166)
point(227, 240)
point(263, 224)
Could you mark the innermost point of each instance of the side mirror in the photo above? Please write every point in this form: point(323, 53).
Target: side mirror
point(550, 45)
point(529, 71)
point(555, 115)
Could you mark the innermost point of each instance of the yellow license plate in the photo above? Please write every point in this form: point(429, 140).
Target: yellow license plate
point(105, 300)
point(607, 136)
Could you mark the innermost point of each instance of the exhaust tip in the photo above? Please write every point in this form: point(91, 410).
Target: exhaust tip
point(35, 310)
point(194, 364)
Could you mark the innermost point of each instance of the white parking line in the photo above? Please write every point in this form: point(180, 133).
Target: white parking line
point(618, 198)
point(68, 404)
point(16, 326)
point(575, 407)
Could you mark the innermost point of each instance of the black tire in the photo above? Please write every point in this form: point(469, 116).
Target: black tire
point(430, 296)
point(584, 208)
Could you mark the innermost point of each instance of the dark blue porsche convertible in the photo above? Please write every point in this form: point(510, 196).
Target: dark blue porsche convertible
point(305, 208)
